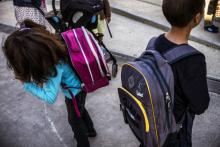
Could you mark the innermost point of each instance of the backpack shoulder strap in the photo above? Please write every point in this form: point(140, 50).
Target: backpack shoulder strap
point(38, 8)
point(175, 54)
point(151, 44)
point(180, 52)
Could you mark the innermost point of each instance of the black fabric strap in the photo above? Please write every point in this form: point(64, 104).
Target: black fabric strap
point(41, 11)
point(180, 52)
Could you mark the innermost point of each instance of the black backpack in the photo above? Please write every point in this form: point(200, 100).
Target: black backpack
point(88, 7)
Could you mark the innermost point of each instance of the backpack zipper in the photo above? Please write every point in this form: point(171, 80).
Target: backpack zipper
point(151, 64)
point(168, 93)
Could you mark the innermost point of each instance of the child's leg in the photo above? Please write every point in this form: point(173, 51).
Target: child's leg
point(99, 31)
point(210, 11)
point(212, 7)
point(217, 13)
point(77, 124)
point(101, 25)
point(185, 133)
point(81, 98)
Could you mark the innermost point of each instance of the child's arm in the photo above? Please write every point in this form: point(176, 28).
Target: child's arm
point(194, 85)
point(50, 89)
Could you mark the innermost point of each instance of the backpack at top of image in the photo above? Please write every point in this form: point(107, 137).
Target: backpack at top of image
point(147, 94)
point(69, 7)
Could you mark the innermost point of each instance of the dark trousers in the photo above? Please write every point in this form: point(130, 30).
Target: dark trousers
point(185, 134)
point(183, 138)
point(80, 125)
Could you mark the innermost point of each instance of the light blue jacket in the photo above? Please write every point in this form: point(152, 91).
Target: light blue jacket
point(50, 89)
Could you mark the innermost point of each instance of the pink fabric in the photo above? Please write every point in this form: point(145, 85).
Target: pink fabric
point(79, 62)
point(76, 107)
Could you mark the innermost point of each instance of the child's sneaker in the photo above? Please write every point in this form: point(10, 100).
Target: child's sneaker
point(91, 133)
point(211, 28)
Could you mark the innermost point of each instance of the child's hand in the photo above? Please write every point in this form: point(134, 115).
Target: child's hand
point(108, 19)
point(40, 85)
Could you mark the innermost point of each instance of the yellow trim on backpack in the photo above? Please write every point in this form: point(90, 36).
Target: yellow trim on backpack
point(147, 127)
point(148, 87)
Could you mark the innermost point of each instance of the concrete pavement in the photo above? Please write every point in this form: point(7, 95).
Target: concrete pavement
point(154, 2)
point(150, 13)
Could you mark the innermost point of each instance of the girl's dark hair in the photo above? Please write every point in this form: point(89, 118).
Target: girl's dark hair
point(33, 52)
point(180, 12)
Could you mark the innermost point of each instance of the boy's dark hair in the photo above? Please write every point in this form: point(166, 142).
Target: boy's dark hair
point(33, 52)
point(180, 12)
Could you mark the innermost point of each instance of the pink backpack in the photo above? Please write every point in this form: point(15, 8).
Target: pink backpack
point(87, 58)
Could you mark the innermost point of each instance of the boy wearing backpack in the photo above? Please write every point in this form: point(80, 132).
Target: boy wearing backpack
point(164, 88)
point(190, 85)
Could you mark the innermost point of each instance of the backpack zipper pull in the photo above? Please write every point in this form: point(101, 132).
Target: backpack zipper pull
point(168, 100)
point(168, 105)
